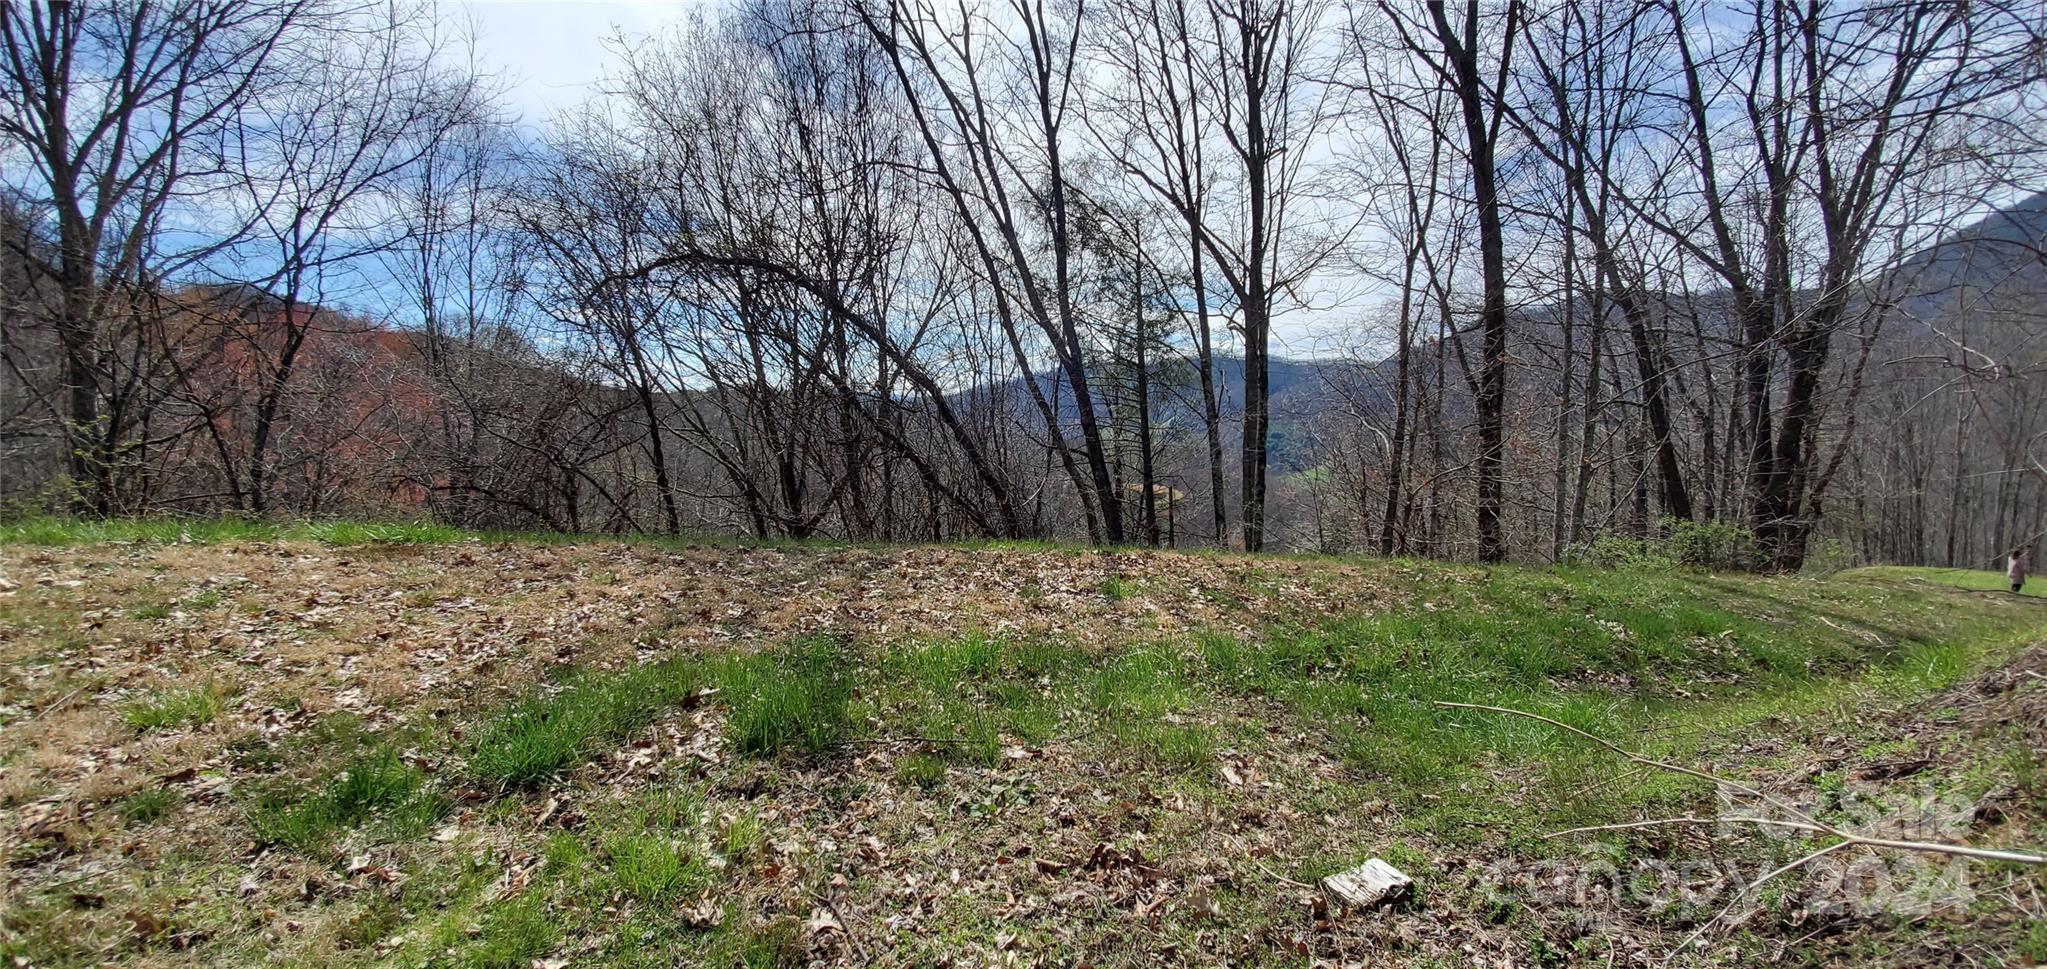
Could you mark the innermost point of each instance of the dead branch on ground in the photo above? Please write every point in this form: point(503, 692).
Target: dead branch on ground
point(1845, 838)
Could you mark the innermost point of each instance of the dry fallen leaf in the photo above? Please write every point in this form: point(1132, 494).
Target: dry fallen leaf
point(821, 922)
point(705, 914)
point(146, 925)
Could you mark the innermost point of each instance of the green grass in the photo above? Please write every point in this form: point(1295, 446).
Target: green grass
point(966, 694)
point(57, 531)
point(173, 708)
point(377, 783)
point(744, 836)
point(52, 531)
point(1607, 652)
point(203, 530)
point(1679, 664)
point(2034, 948)
point(1979, 580)
point(622, 880)
point(543, 735)
point(1694, 657)
point(511, 936)
point(926, 771)
point(149, 804)
point(791, 699)
point(1179, 747)
point(653, 868)
point(1610, 653)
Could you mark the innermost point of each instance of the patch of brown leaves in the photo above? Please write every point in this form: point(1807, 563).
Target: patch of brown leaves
point(287, 632)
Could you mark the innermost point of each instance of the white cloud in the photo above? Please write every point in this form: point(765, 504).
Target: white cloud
point(551, 53)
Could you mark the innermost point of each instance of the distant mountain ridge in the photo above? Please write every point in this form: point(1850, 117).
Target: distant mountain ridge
point(1997, 264)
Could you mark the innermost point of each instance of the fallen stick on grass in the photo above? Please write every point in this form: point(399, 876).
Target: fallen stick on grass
point(1803, 822)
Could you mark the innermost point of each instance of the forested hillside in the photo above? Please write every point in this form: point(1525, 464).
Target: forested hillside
point(1013, 483)
point(1573, 283)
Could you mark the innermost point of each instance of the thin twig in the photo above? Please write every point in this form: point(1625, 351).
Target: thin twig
point(1805, 821)
point(1872, 637)
point(884, 741)
point(852, 944)
point(1809, 822)
point(1688, 819)
point(1942, 848)
point(1750, 888)
point(1608, 782)
point(1282, 879)
point(960, 741)
point(83, 876)
point(62, 702)
point(1926, 847)
point(1639, 759)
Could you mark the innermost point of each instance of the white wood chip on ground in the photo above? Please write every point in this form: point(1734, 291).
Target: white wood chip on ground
point(1373, 883)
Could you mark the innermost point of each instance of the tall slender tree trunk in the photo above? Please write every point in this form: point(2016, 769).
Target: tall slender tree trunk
point(270, 405)
point(1588, 427)
point(1257, 310)
point(1211, 411)
point(1396, 464)
point(1650, 366)
point(1479, 135)
point(1257, 426)
point(1560, 481)
point(1146, 472)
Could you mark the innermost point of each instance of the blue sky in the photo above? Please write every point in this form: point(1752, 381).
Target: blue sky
point(551, 51)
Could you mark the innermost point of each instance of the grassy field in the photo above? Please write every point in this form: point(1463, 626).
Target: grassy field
point(1981, 580)
point(244, 744)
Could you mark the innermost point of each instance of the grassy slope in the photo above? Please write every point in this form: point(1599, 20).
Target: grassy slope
point(902, 798)
point(1981, 580)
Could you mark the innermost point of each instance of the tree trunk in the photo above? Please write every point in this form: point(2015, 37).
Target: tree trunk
point(1490, 466)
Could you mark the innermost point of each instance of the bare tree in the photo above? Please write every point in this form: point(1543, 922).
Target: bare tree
point(323, 158)
point(120, 110)
point(1453, 51)
point(1828, 117)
